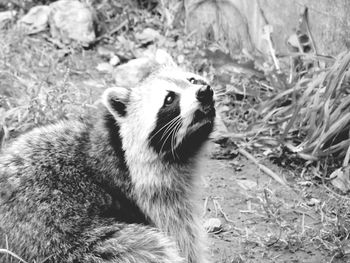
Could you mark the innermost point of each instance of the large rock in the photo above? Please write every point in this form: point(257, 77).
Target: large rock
point(72, 20)
point(6, 17)
point(239, 23)
point(69, 20)
point(135, 70)
point(36, 20)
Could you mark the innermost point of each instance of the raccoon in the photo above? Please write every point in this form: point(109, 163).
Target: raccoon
point(116, 187)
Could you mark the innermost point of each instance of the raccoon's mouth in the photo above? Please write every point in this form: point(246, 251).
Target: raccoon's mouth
point(202, 118)
point(163, 139)
point(205, 124)
point(196, 134)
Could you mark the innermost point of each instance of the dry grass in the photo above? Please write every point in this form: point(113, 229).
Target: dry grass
point(39, 83)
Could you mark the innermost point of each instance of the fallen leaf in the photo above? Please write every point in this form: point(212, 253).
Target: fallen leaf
point(246, 184)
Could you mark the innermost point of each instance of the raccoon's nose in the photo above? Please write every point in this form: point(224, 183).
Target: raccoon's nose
point(205, 94)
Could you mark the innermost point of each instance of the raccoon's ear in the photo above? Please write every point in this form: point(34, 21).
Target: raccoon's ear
point(163, 58)
point(115, 100)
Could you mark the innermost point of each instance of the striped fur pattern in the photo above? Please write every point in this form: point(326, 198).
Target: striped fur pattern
point(104, 190)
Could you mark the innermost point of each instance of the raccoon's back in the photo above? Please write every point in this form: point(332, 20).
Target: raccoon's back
point(46, 193)
point(56, 184)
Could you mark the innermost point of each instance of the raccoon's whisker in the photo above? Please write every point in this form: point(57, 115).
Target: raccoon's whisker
point(172, 142)
point(173, 122)
point(172, 139)
point(171, 127)
point(176, 129)
point(168, 134)
point(164, 126)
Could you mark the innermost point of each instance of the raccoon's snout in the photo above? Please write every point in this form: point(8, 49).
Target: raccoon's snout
point(205, 94)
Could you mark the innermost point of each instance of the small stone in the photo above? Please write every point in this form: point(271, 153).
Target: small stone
point(180, 45)
point(181, 59)
point(114, 60)
point(213, 225)
point(147, 35)
point(313, 202)
point(106, 52)
point(105, 67)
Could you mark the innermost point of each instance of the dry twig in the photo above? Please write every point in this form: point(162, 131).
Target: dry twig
point(266, 170)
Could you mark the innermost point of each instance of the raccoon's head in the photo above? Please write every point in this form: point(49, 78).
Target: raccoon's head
point(169, 114)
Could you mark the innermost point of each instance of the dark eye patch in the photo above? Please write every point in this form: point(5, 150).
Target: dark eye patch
point(160, 138)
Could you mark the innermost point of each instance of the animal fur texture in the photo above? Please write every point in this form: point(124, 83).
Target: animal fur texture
point(118, 187)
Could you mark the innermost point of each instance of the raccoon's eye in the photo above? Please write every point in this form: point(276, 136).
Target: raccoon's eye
point(192, 80)
point(169, 99)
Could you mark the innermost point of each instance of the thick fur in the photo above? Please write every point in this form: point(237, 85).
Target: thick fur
point(95, 191)
point(57, 201)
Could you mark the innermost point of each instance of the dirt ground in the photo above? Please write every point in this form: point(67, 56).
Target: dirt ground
point(265, 221)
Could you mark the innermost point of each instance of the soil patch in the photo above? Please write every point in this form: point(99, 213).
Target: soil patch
point(265, 221)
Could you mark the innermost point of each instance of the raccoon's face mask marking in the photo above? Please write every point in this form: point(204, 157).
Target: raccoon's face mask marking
point(184, 121)
point(163, 136)
point(170, 113)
